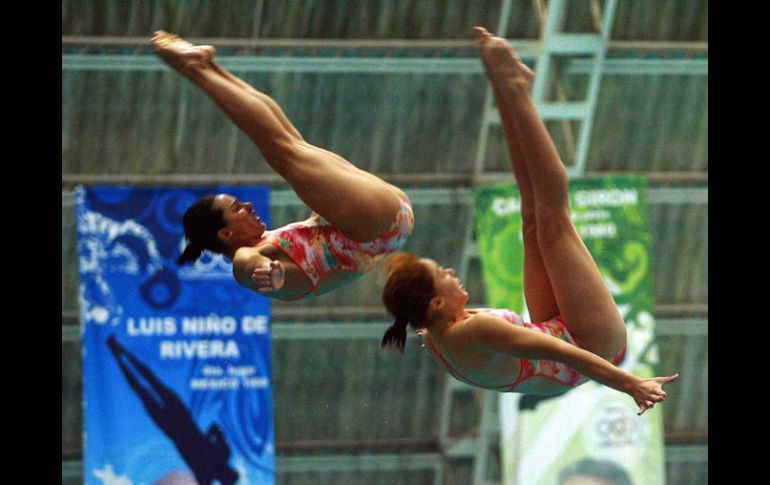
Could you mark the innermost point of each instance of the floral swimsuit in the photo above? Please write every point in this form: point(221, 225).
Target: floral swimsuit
point(320, 248)
point(529, 368)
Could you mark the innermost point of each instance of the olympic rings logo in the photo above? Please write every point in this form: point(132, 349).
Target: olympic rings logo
point(617, 427)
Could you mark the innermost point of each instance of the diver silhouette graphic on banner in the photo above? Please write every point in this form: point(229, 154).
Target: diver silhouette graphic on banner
point(206, 454)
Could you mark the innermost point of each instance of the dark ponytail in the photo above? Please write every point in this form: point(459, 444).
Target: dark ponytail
point(202, 221)
point(407, 293)
point(191, 253)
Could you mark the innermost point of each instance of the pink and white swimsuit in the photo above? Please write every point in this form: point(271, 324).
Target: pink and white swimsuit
point(529, 368)
point(320, 249)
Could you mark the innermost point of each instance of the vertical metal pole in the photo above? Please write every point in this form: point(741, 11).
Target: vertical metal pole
point(489, 107)
point(593, 90)
point(553, 21)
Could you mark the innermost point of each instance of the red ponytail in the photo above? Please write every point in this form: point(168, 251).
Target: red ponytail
point(395, 335)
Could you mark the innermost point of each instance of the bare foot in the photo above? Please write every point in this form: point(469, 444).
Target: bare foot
point(500, 60)
point(178, 53)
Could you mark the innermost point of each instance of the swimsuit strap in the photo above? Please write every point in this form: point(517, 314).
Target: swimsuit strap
point(450, 369)
point(429, 342)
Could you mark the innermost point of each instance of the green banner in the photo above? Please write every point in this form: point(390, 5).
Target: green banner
point(591, 430)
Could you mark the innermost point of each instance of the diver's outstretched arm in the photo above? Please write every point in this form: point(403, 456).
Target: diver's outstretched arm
point(528, 344)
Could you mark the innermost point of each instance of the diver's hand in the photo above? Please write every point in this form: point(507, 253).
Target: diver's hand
point(269, 276)
point(647, 392)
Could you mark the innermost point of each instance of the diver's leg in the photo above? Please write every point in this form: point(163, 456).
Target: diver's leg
point(583, 299)
point(538, 293)
point(277, 110)
point(362, 205)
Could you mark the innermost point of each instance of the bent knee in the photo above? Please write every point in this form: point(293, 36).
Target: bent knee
point(553, 224)
point(607, 343)
point(528, 218)
point(529, 230)
point(284, 150)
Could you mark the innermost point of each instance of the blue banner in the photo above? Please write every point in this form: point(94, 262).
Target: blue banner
point(176, 360)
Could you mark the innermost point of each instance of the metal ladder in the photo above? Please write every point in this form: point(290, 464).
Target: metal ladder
point(553, 44)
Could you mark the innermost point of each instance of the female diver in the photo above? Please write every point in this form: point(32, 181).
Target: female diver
point(578, 332)
point(357, 218)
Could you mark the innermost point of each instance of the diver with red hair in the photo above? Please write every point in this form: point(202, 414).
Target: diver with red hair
point(577, 332)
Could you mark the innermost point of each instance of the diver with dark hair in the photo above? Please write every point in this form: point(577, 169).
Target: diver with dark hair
point(357, 217)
